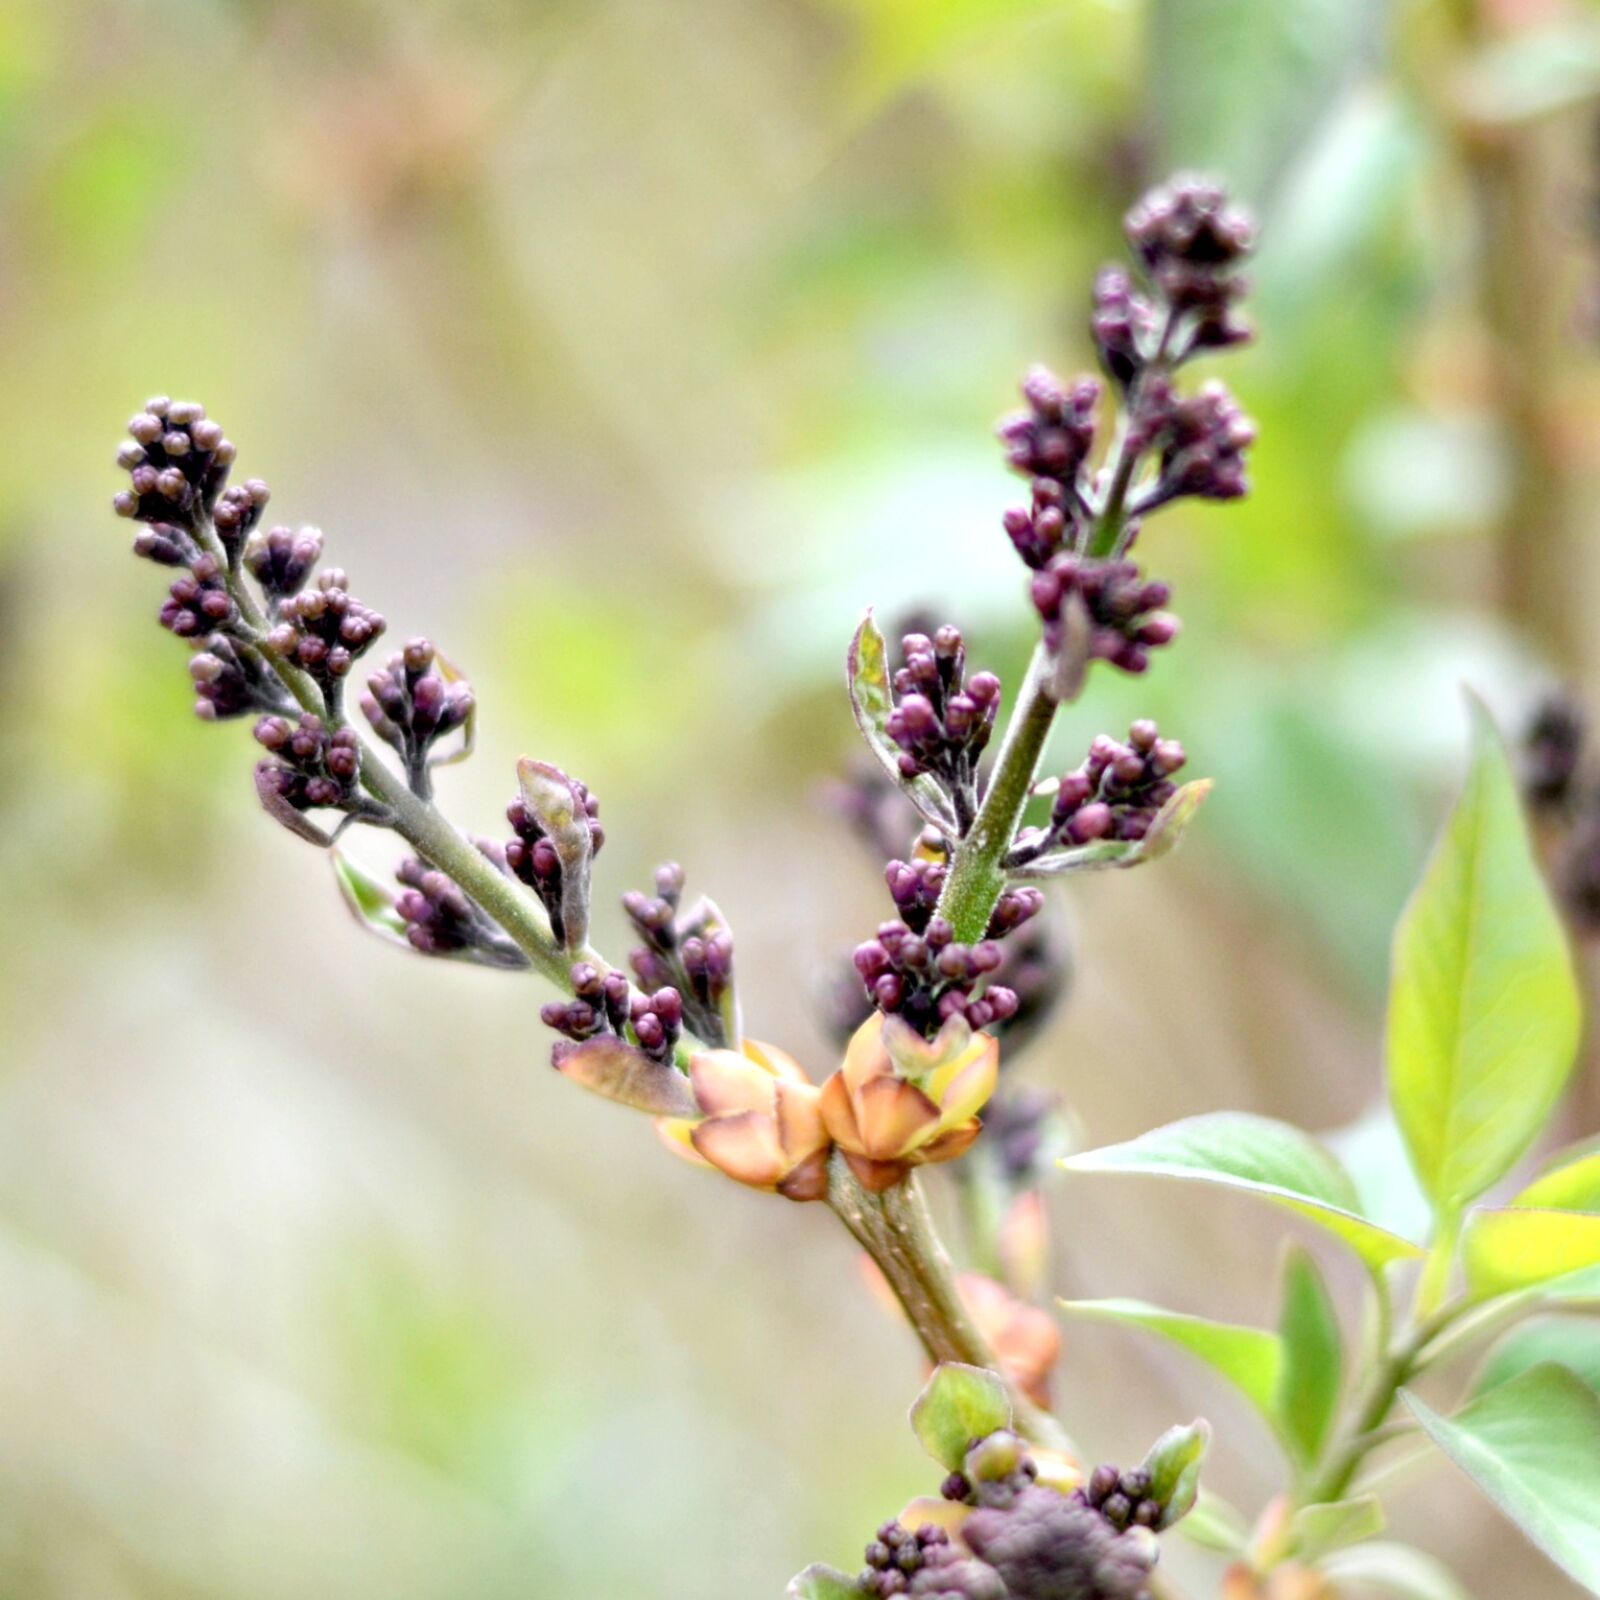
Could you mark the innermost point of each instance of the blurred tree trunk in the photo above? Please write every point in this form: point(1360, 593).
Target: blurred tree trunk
point(1533, 186)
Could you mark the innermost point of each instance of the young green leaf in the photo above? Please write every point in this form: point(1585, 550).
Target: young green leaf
point(1313, 1357)
point(1533, 1446)
point(959, 1404)
point(1483, 1009)
point(1574, 1344)
point(872, 699)
point(551, 799)
point(368, 901)
point(1518, 1248)
point(1396, 1570)
point(1259, 1155)
point(1174, 1462)
point(819, 1582)
point(1251, 1359)
point(1317, 1530)
point(1570, 1181)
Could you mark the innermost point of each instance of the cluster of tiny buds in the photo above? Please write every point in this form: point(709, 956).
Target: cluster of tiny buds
point(281, 559)
point(1116, 794)
point(411, 707)
point(323, 629)
point(532, 857)
point(1122, 1498)
point(237, 511)
point(941, 719)
point(1123, 610)
point(198, 602)
point(604, 1003)
point(896, 1556)
point(927, 978)
point(1051, 438)
point(997, 1469)
point(311, 767)
point(1189, 239)
point(442, 921)
point(232, 681)
point(177, 462)
point(692, 956)
point(1202, 439)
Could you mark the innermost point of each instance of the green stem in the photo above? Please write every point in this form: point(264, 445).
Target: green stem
point(977, 878)
point(894, 1228)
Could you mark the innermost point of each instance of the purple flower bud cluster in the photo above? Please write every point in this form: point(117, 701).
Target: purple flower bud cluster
point(1190, 240)
point(915, 969)
point(942, 719)
point(1048, 1546)
point(532, 855)
point(604, 1003)
point(236, 513)
point(1202, 439)
point(411, 706)
point(231, 680)
point(198, 602)
point(310, 768)
point(1052, 437)
point(442, 921)
point(1123, 611)
point(1044, 528)
point(1116, 793)
point(281, 559)
point(896, 1556)
point(177, 461)
point(1122, 1498)
point(691, 952)
point(323, 629)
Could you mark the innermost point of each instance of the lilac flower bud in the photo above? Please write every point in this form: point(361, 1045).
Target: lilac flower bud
point(1124, 610)
point(896, 1556)
point(532, 856)
point(1123, 324)
point(177, 464)
point(411, 706)
point(324, 629)
point(280, 559)
point(690, 953)
point(941, 719)
point(237, 511)
point(1048, 1546)
point(166, 544)
point(231, 680)
point(1189, 240)
point(1045, 527)
point(1203, 442)
point(311, 768)
point(198, 603)
point(1052, 438)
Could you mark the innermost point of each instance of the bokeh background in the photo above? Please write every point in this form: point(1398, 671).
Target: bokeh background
point(630, 348)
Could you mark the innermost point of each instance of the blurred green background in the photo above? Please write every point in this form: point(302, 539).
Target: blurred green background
point(630, 348)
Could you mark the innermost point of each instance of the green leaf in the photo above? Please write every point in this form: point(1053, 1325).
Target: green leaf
point(1313, 1357)
point(1570, 1181)
point(1251, 1359)
point(1574, 1344)
point(1213, 1524)
point(369, 901)
point(1392, 1569)
point(1259, 1155)
point(1166, 831)
point(1317, 1530)
point(1483, 1009)
point(871, 698)
point(1174, 1462)
point(1517, 1248)
point(1533, 1446)
point(959, 1404)
point(819, 1582)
